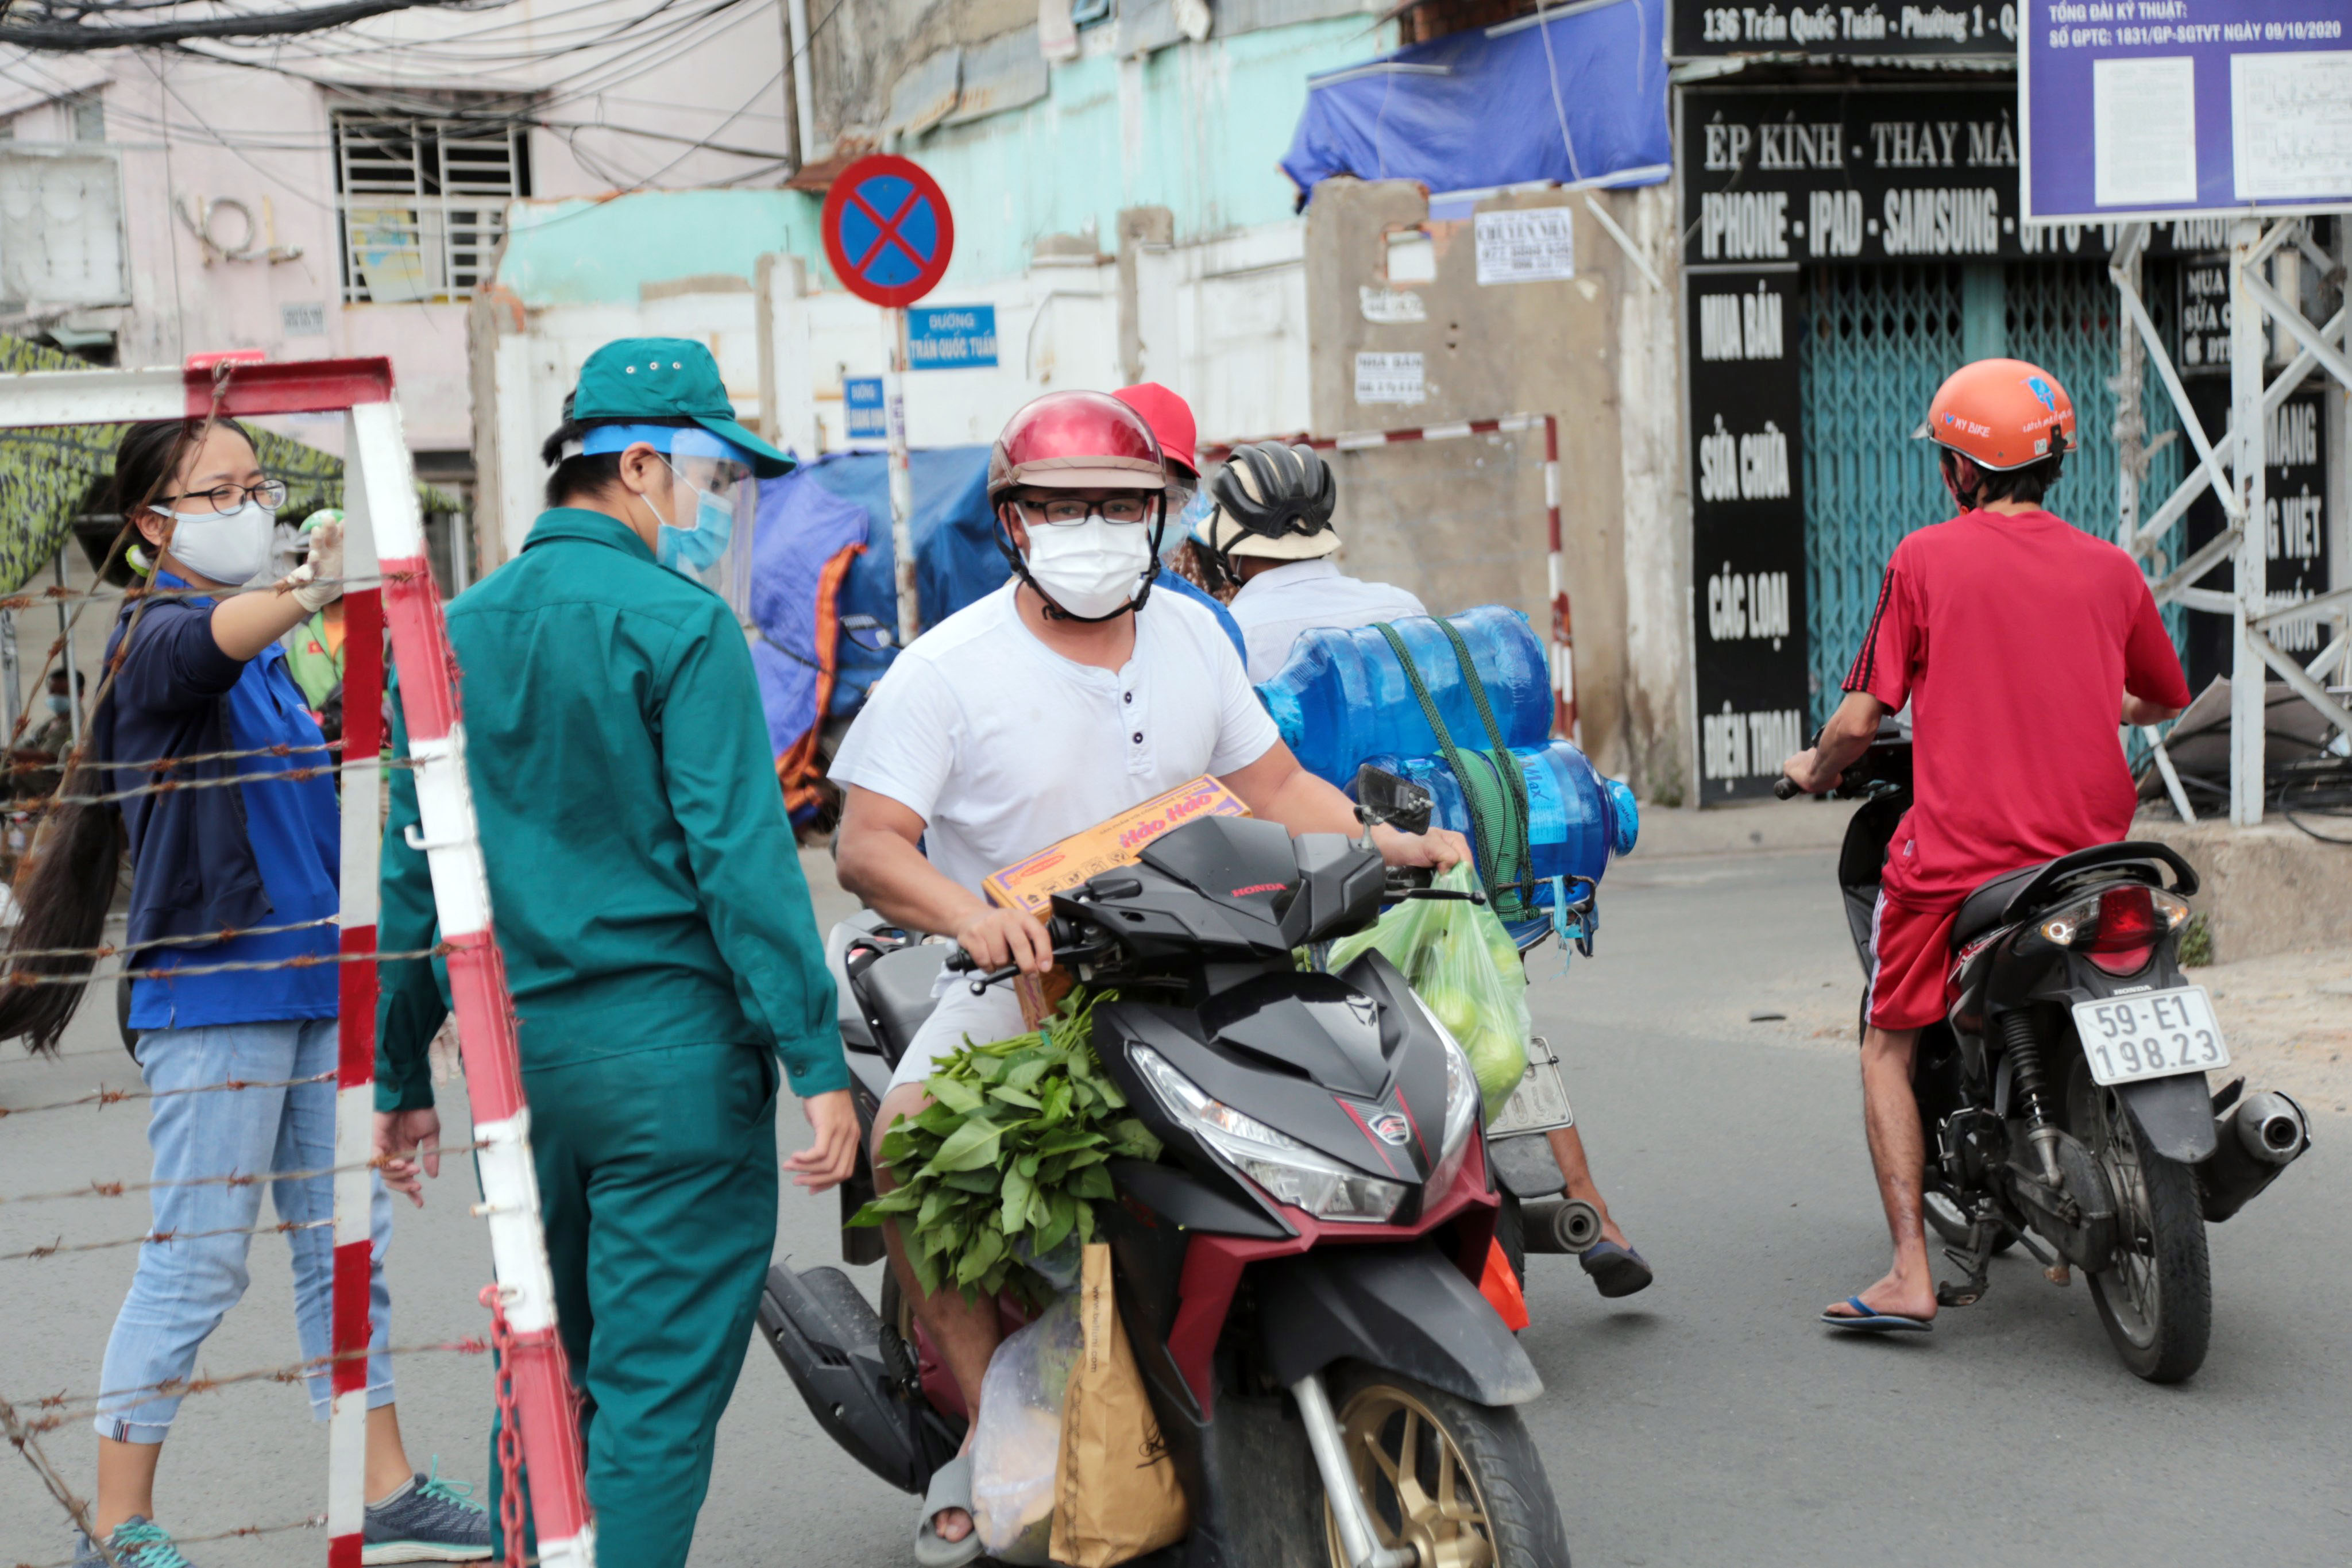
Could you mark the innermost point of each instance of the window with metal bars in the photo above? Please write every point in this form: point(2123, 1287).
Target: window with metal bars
point(423, 202)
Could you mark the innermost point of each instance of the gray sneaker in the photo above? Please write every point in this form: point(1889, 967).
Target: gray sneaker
point(428, 1521)
point(136, 1542)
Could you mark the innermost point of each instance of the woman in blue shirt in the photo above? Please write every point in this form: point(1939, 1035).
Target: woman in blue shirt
point(200, 673)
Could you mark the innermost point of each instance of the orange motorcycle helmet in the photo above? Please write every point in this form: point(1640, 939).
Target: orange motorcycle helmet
point(2001, 413)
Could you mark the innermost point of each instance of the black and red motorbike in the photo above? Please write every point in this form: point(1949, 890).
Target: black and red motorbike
point(2064, 1094)
point(1298, 1273)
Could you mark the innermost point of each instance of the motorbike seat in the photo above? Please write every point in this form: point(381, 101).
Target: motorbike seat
point(1983, 910)
point(896, 992)
point(2013, 895)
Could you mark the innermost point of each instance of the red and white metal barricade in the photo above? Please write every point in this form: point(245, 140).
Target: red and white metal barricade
point(384, 524)
point(1563, 639)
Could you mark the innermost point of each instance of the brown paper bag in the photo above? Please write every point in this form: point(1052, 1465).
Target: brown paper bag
point(1116, 1496)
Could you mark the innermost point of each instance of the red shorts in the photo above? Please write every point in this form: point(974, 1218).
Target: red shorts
point(1910, 958)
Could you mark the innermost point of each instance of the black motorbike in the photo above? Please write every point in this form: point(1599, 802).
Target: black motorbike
point(2065, 1091)
point(1298, 1273)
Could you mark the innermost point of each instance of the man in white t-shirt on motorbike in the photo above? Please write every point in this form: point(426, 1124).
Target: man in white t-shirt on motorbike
point(1067, 696)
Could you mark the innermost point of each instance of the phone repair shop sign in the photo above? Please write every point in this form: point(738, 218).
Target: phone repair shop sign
point(861, 405)
point(1753, 657)
point(951, 337)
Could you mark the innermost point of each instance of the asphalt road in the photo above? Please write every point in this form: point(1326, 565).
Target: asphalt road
point(1708, 1421)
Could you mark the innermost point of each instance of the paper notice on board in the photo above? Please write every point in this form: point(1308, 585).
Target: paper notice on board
point(2291, 125)
point(1390, 306)
point(2143, 132)
point(1530, 247)
point(1390, 378)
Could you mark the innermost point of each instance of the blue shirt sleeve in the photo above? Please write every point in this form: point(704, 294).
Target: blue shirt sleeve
point(1169, 582)
point(173, 661)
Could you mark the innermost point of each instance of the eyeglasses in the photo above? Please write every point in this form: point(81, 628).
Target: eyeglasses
point(270, 493)
point(1069, 513)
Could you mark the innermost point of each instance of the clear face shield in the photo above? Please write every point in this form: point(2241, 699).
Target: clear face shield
point(713, 504)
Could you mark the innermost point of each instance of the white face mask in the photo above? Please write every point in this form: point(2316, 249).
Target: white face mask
point(1092, 568)
point(226, 546)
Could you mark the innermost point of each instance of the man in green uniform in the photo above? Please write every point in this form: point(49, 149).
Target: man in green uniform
point(658, 940)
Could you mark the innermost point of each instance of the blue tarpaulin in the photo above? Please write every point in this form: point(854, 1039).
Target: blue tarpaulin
point(1574, 96)
point(956, 560)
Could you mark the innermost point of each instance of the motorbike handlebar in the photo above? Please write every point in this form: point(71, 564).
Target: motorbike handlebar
point(1786, 788)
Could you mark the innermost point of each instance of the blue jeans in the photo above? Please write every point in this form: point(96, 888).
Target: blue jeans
point(185, 1285)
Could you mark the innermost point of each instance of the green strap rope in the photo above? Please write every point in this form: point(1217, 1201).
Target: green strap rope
point(1496, 793)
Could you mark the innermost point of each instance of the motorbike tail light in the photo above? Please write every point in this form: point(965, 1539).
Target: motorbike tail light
point(2127, 920)
point(2120, 922)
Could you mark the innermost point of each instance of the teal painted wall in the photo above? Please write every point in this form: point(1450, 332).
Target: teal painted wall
point(1198, 129)
point(598, 252)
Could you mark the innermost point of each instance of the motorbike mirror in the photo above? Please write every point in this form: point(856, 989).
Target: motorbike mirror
point(1382, 796)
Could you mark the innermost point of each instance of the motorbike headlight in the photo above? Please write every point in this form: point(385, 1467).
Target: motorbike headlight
point(1289, 1170)
point(1462, 1099)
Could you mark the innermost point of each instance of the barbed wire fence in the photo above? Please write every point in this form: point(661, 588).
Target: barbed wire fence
point(28, 1421)
point(533, 1390)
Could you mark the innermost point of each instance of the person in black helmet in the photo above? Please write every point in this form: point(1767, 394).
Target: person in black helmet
point(1271, 533)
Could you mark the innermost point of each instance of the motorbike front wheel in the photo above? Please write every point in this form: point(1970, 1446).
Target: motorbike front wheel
point(1460, 1484)
point(2156, 1300)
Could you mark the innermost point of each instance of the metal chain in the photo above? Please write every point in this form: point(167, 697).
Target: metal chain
point(510, 1522)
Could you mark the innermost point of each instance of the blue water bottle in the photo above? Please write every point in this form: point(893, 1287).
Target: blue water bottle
point(1343, 698)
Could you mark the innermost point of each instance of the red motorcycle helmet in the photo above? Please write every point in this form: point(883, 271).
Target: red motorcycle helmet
point(2001, 413)
point(1075, 441)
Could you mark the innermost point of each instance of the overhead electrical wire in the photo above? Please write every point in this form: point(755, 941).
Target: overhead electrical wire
point(71, 38)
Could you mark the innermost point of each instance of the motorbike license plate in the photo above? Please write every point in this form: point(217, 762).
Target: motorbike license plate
point(1540, 1102)
point(2154, 1035)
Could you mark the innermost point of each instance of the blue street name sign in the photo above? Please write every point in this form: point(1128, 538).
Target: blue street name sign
point(861, 397)
point(951, 337)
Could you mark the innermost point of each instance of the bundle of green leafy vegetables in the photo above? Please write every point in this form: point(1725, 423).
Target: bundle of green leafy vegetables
point(1007, 1162)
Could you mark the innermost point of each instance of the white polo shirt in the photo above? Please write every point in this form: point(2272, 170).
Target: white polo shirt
point(1274, 606)
point(1002, 746)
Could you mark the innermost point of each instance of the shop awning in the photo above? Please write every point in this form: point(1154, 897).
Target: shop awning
point(1575, 95)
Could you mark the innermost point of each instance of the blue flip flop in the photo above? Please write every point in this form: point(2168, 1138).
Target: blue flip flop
point(1865, 1320)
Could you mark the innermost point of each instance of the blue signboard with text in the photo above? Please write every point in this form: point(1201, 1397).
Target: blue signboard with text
point(2173, 108)
point(862, 411)
point(951, 337)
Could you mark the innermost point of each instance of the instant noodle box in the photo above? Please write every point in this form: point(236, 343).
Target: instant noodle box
point(1031, 884)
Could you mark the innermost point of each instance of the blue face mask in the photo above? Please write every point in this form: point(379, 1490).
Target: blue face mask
point(690, 552)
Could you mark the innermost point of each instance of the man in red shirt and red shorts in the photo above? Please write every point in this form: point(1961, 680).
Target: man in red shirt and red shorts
point(2018, 643)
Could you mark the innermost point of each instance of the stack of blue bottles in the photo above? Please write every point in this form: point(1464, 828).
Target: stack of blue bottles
point(1342, 699)
point(1576, 818)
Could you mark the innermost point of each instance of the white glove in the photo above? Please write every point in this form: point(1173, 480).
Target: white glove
point(319, 581)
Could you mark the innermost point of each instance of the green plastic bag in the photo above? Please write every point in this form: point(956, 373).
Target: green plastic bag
point(1456, 955)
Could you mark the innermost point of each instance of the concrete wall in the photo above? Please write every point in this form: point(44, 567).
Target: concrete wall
point(2272, 888)
point(1198, 129)
point(1442, 519)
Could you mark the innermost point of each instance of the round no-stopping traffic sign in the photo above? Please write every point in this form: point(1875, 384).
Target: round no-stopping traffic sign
point(888, 230)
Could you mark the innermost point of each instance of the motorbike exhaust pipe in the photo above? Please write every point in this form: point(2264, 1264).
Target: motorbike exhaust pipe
point(1570, 1226)
point(2254, 1142)
point(2271, 1128)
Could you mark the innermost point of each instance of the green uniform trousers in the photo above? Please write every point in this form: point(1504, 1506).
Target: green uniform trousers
point(657, 1186)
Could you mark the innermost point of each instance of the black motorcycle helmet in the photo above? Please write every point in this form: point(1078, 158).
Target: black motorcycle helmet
point(1273, 502)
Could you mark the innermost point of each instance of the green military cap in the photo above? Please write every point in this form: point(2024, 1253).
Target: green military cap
point(668, 378)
